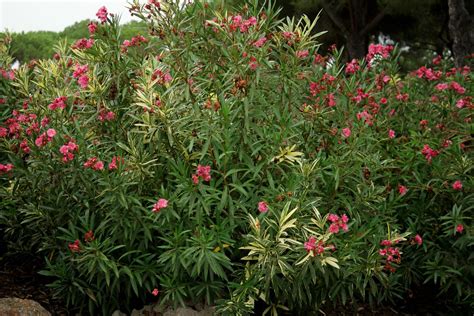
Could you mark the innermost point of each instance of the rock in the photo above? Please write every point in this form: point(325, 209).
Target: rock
point(182, 312)
point(118, 313)
point(19, 307)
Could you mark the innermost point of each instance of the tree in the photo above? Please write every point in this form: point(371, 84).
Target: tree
point(461, 29)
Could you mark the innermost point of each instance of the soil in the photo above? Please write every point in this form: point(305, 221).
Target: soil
point(19, 278)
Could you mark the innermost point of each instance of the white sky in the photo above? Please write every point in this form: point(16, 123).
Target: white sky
point(54, 15)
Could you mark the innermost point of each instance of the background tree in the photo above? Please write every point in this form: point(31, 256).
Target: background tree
point(26, 46)
point(461, 29)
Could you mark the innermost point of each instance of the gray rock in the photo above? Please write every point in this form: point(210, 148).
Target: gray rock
point(20, 307)
point(182, 312)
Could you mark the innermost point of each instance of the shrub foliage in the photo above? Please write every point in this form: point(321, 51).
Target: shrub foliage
point(222, 159)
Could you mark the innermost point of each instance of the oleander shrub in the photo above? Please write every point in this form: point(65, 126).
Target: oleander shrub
point(222, 159)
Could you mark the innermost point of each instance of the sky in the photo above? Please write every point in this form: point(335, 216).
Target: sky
point(54, 15)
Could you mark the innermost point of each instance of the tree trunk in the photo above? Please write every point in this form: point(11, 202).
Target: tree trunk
point(356, 45)
point(461, 30)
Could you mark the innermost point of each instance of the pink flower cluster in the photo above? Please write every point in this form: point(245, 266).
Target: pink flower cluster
point(338, 223)
point(429, 153)
point(67, 150)
point(102, 14)
point(378, 49)
point(428, 73)
point(316, 247)
point(45, 138)
point(238, 23)
point(302, 54)
point(5, 168)
point(160, 204)
point(83, 43)
point(92, 27)
point(465, 102)
point(24, 146)
point(352, 67)
point(391, 254)
point(202, 172)
point(106, 115)
point(80, 73)
point(94, 164)
point(260, 42)
point(9, 75)
point(58, 103)
point(366, 116)
point(134, 42)
point(163, 77)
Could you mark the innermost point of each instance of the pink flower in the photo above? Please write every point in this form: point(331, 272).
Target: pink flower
point(442, 86)
point(89, 236)
point(75, 246)
point(195, 178)
point(80, 70)
point(302, 53)
point(262, 207)
point(310, 244)
point(67, 151)
point(352, 67)
point(429, 153)
point(333, 218)
point(83, 81)
point(460, 228)
point(3, 132)
point(51, 132)
point(5, 168)
point(83, 43)
point(113, 164)
point(391, 134)
point(457, 185)
point(346, 132)
point(418, 239)
point(338, 223)
point(24, 146)
point(204, 172)
point(92, 27)
point(94, 164)
point(402, 190)
point(334, 228)
point(155, 292)
point(102, 14)
point(331, 100)
point(260, 42)
point(162, 203)
point(99, 165)
point(385, 242)
point(58, 103)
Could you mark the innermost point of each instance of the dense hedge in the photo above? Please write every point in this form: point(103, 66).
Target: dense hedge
point(223, 159)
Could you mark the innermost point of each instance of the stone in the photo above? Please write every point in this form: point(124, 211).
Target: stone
point(182, 312)
point(19, 307)
point(118, 313)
